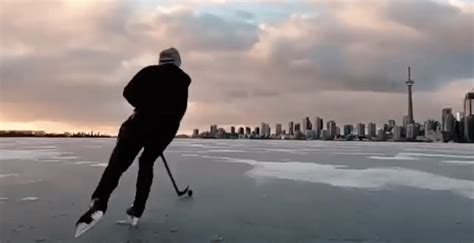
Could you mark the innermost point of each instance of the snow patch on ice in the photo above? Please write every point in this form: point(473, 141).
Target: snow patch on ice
point(44, 147)
point(283, 150)
point(414, 156)
point(226, 151)
point(342, 176)
point(396, 157)
point(30, 182)
point(461, 162)
point(8, 175)
point(355, 153)
point(66, 157)
point(99, 165)
point(50, 161)
point(28, 199)
point(438, 155)
point(23, 154)
point(457, 150)
point(83, 162)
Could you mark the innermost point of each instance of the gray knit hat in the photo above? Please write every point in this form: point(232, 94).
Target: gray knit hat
point(170, 55)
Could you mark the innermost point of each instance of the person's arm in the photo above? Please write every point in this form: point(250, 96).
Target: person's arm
point(131, 92)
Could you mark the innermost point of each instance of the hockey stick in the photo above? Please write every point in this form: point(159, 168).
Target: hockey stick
point(180, 193)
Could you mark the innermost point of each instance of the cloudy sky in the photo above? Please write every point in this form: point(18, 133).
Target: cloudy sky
point(63, 64)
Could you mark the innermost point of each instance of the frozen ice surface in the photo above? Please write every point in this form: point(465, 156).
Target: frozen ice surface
point(247, 191)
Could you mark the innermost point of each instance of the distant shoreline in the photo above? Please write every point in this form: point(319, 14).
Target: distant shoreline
point(58, 136)
point(181, 137)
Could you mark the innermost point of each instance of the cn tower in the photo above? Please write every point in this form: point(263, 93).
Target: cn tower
point(409, 84)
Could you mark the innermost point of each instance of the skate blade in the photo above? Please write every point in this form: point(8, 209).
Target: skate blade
point(123, 222)
point(82, 228)
point(133, 221)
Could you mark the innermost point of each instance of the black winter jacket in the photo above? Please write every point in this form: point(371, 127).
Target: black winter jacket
point(159, 91)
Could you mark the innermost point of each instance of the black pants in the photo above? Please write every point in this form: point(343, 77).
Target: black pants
point(153, 135)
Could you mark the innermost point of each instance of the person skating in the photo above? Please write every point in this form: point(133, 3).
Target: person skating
point(159, 94)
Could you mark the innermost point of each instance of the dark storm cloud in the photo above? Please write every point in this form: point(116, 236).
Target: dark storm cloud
point(60, 73)
point(65, 73)
point(209, 32)
point(71, 64)
point(342, 56)
point(35, 73)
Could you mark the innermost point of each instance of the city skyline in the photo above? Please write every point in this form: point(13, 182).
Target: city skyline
point(344, 61)
point(458, 127)
point(356, 126)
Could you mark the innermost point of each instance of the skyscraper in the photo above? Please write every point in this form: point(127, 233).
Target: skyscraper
point(248, 130)
point(318, 127)
point(406, 121)
point(213, 129)
point(447, 120)
point(348, 129)
point(391, 124)
point(430, 125)
point(220, 133)
point(381, 135)
point(195, 133)
point(444, 113)
point(397, 133)
point(297, 127)
point(468, 111)
point(290, 128)
point(409, 84)
point(263, 129)
point(278, 129)
point(468, 117)
point(306, 125)
point(361, 129)
point(371, 130)
point(448, 124)
point(332, 128)
point(412, 131)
